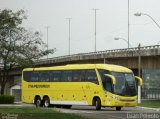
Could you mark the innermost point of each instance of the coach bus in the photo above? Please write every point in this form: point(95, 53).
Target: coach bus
point(99, 85)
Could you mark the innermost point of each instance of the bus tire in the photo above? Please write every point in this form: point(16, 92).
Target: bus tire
point(98, 104)
point(38, 101)
point(118, 108)
point(46, 102)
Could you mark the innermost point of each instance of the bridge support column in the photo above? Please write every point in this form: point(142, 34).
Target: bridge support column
point(104, 60)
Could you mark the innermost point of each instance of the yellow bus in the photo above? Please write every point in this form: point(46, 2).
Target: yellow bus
point(99, 85)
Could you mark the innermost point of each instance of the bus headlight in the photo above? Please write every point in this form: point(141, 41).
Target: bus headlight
point(115, 97)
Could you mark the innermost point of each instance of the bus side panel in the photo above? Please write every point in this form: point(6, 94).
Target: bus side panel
point(71, 92)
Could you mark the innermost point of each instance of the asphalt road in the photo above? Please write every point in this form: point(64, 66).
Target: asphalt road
point(111, 113)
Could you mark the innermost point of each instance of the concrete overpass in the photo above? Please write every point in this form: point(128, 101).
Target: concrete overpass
point(147, 57)
point(150, 57)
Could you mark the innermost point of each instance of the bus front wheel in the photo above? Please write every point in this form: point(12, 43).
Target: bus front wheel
point(98, 104)
point(46, 102)
point(38, 101)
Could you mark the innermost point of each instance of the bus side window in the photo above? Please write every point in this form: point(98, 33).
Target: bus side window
point(55, 76)
point(67, 76)
point(91, 76)
point(43, 76)
point(78, 76)
point(27, 75)
point(34, 76)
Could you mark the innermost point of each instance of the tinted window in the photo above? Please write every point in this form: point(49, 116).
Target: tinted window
point(26, 75)
point(107, 84)
point(130, 84)
point(125, 84)
point(106, 81)
point(44, 76)
point(55, 76)
point(67, 76)
point(34, 76)
point(102, 72)
point(78, 76)
point(91, 76)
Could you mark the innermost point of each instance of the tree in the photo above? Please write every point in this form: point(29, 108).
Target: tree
point(18, 46)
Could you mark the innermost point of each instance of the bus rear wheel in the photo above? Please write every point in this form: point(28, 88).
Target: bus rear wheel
point(118, 108)
point(98, 104)
point(46, 102)
point(37, 101)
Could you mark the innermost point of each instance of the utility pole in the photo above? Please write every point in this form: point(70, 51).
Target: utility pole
point(69, 33)
point(95, 47)
point(128, 24)
point(47, 27)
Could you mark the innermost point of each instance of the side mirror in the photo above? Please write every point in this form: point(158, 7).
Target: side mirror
point(112, 77)
point(140, 81)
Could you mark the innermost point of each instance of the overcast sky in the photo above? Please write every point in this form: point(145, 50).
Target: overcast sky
point(112, 21)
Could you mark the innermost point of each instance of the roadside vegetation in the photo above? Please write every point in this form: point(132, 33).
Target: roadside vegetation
point(6, 99)
point(18, 46)
point(151, 105)
point(36, 113)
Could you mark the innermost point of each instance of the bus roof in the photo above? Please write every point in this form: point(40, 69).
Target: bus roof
point(109, 67)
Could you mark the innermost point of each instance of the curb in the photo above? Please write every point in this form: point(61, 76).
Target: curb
point(10, 105)
point(156, 109)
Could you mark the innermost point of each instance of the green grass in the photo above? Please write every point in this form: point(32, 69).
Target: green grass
point(151, 105)
point(36, 113)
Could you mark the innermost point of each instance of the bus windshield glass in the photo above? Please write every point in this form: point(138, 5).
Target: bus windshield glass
point(125, 84)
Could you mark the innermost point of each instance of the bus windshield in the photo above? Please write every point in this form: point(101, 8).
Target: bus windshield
point(125, 84)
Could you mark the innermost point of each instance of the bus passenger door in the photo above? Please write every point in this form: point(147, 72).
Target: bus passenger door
point(90, 85)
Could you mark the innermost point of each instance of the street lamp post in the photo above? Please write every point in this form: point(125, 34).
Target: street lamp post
point(69, 33)
point(128, 25)
point(118, 38)
point(95, 47)
point(140, 14)
point(128, 42)
point(47, 27)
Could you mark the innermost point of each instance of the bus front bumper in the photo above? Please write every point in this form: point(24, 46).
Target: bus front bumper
point(120, 103)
